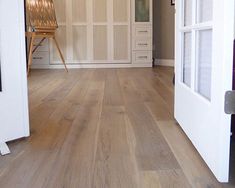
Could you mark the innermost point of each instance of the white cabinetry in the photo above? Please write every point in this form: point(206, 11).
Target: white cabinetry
point(102, 33)
point(93, 31)
point(42, 55)
point(142, 31)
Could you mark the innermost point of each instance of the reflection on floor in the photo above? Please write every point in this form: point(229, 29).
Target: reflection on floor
point(104, 128)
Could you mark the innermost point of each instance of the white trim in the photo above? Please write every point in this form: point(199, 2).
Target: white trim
point(75, 66)
point(24, 80)
point(165, 62)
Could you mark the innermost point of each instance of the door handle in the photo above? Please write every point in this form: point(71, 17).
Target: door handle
point(229, 106)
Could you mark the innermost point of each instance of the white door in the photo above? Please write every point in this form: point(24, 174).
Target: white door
point(204, 48)
point(14, 118)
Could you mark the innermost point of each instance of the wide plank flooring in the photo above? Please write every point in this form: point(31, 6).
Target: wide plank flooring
point(104, 128)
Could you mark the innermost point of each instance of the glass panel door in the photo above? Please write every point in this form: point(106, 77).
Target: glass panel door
point(204, 63)
point(188, 12)
point(203, 74)
point(197, 32)
point(205, 10)
point(187, 57)
point(142, 11)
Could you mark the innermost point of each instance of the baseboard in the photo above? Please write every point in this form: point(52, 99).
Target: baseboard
point(75, 66)
point(165, 62)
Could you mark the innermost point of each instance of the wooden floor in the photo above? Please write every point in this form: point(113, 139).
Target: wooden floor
point(103, 128)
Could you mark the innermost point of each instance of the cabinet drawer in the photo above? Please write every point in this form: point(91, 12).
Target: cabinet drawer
point(44, 47)
point(142, 31)
point(142, 56)
point(41, 58)
point(142, 44)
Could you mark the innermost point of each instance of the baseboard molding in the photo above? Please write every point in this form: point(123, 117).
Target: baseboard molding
point(75, 66)
point(165, 62)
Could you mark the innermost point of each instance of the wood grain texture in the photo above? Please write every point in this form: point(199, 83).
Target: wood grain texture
point(104, 128)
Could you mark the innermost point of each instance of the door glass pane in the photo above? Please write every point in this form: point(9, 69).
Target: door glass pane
point(79, 11)
point(120, 10)
point(188, 5)
point(142, 11)
point(79, 42)
point(100, 10)
point(187, 50)
point(204, 63)
point(205, 10)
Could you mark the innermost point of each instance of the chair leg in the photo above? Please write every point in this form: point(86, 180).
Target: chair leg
point(60, 53)
point(30, 53)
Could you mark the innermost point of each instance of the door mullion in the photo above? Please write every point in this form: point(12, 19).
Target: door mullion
point(194, 46)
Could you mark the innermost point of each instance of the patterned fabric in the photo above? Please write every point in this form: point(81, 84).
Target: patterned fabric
point(41, 15)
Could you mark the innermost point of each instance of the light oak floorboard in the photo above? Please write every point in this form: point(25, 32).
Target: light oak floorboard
point(104, 128)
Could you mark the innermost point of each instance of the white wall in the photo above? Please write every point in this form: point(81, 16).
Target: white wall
point(14, 118)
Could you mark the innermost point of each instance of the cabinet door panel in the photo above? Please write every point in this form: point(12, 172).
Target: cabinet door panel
point(100, 10)
point(100, 43)
point(120, 10)
point(79, 43)
point(60, 10)
point(61, 38)
point(94, 30)
point(121, 42)
point(79, 11)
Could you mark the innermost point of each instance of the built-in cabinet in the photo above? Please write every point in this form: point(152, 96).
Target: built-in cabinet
point(142, 39)
point(107, 32)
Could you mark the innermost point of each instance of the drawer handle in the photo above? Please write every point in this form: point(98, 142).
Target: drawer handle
point(38, 58)
point(143, 44)
point(143, 57)
point(143, 31)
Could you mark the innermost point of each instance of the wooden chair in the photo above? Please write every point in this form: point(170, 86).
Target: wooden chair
point(50, 34)
point(41, 23)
